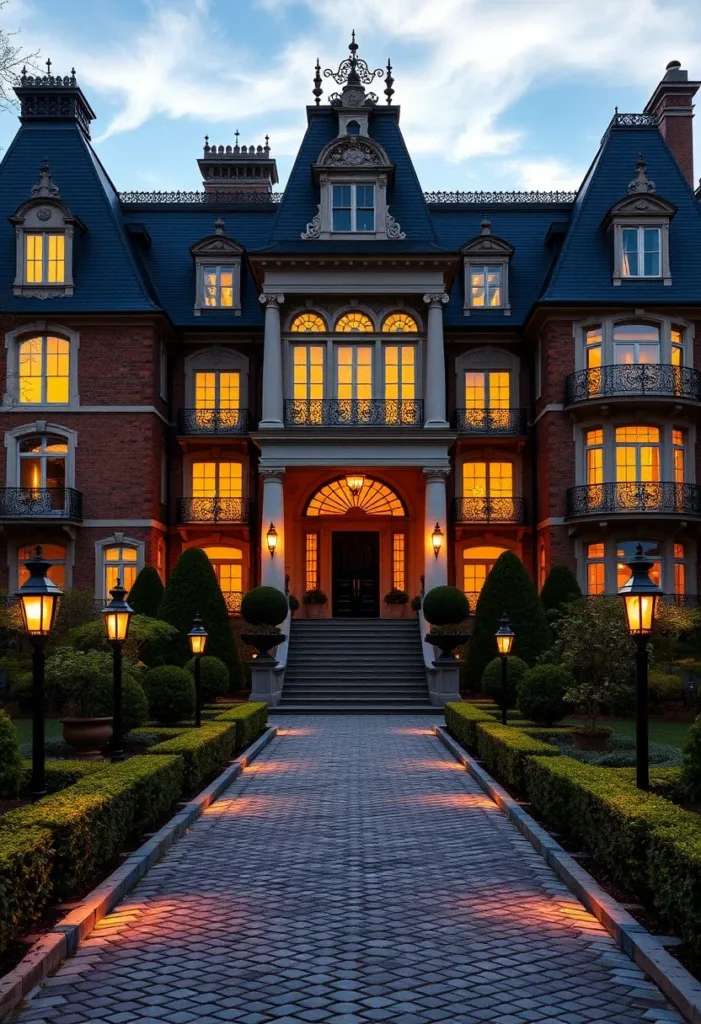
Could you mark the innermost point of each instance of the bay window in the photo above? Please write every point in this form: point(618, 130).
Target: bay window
point(679, 455)
point(637, 454)
point(605, 565)
point(596, 569)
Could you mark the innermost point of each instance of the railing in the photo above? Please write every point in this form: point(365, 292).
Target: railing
point(602, 499)
point(490, 510)
point(212, 510)
point(41, 503)
point(645, 380)
point(353, 412)
point(233, 599)
point(500, 197)
point(232, 197)
point(213, 421)
point(472, 596)
point(491, 421)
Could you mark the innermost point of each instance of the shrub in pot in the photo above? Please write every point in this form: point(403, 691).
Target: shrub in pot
point(11, 764)
point(491, 680)
point(214, 677)
point(541, 693)
point(396, 601)
point(416, 604)
point(170, 691)
point(74, 679)
point(264, 608)
point(293, 603)
point(446, 608)
point(314, 601)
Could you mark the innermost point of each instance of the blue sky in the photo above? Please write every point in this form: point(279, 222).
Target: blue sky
point(495, 94)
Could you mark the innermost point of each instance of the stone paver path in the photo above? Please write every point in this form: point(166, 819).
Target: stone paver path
point(354, 874)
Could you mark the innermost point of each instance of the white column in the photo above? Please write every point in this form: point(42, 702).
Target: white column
point(434, 401)
point(272, 570)
point(272, 362)
point(435, 569)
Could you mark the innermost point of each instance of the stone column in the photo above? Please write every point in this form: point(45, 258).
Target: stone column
point(435, 569)
point(434, 392)
point(272, 363)
point(272, 570)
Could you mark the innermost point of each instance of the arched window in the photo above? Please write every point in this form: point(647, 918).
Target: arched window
point(42, 462)
point(121, 563)
point(308, 323)
point(477, 564)
point(228, 567)
point(56, 554)
point(44, 371)
point(373, 498)
point(355, 322)
point(399, 322)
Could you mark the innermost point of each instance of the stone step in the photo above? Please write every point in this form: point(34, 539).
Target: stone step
point(294, 708)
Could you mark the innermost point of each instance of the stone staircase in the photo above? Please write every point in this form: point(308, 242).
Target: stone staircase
point(355, 665)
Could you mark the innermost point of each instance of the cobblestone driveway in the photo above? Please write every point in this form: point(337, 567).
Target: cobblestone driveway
point(354, 874)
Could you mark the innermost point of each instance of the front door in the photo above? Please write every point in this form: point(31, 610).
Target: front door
point(356, 575)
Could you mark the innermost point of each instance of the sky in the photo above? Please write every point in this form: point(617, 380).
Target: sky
point(494, 94)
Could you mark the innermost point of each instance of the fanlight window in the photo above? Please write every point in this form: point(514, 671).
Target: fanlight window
point(308, 323)
point(355, 322)
point(399, 322)
point(374, 499)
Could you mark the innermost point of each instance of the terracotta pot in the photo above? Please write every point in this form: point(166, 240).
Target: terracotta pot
point(591, 739)
point(395, 611)
point(314, 611)
point(87, 736)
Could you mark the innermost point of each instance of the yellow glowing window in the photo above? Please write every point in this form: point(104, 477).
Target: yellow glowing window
point(120, 563)
point(56, 259)
point(44, 371)
point(56, 554)
point(308, 372)
point(677, 347)
point(228, 568)
point(311, 561)
point(308, 323)
point(478, 563)
point(218, 287)
point(678, 455)
point(593, 347)
point(216, 389)
point(400, 373)
point(679, 570)
point(400, 323)
point(487, 480)
point(485, 286)
point(354, 372)
point(217, 480)
point(355, 322)
point(595, 456)
point(596, 570)
point(34, 265)
point(398, 561)
point(45, 258)
point(487, 390)
point(337, 499)
point(637, 454)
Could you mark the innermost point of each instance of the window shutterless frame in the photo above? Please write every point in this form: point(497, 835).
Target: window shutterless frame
point(352, 207)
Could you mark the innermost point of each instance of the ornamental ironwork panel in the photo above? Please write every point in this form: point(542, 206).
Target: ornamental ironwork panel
point(491, 421)
point(212, 510)
point(41, 503)
point(213, 421)
point(490, 510)
point(353, 412)
point(634, 496)
point(219, 196)
point(500, 197)
point(659, 379)
point(233, 599)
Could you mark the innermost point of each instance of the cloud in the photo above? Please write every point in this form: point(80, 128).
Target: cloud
point(547, 174)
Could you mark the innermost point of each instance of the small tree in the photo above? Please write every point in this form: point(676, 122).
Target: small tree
point(491, 680)
point(147, 593)
point(76, 608)
point(507, 589)
point(559, 588)
point(193, 589)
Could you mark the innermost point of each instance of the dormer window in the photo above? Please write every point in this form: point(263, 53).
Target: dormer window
point(485, 285)
point(218, 287)
point(217, 272)
point(640, 225)
point(487, 272)
point(641, 252)
point(45, 258)
point(44, 228)
point(353, 128)
point(353, 208)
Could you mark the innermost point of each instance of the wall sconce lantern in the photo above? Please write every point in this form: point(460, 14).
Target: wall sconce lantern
point(437, 539)
point(271, 537)
point(354, 482)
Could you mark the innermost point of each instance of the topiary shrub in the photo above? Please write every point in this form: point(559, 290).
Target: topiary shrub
point(507, 589)
point(76, 608)
point(11, 764)
point(445, 606)
point(192, 589)
point(170, 692)
point(491, 680)
point(691, 762)
point(560, 588)
point(541, 693)
point(214, 675)
point(664, 688)
point(264, 606)
point(134, 702)
point(147, 593)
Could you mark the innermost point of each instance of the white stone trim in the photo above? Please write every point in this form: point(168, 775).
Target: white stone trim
point(13, 561)
point(44, 216)
point(212, 359)
point(117, 539)
point(488, 357)
point(153, 524)
point(13, 437)
point(552, 407)
point(636, 316)
point(655, 221)
point(13, 339)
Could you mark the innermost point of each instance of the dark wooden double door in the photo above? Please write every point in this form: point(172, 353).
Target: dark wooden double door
point(356, 575)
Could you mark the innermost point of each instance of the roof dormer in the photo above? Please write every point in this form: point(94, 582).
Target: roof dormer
point(217, 272)
point(640, 224)
point(486, 260)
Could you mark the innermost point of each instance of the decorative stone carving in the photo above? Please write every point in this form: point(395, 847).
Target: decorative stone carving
point(313, 229)
point(270, 300)
point(436, 473)
point(351, 153)
point(435, 299)
point(393, 229)
point(272, 472)
point(641, 182)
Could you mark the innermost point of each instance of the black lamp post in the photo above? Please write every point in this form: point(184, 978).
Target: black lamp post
point(641, 598)
point(39, 599)
point(197, 638)
point(504, 637)
point(117, 616)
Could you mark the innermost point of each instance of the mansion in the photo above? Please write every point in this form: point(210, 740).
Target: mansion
point(350, 385)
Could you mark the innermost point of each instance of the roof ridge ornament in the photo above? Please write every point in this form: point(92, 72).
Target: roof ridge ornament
point(641, 182)
point(46, 188)
point(486, 226)
point(353, 74)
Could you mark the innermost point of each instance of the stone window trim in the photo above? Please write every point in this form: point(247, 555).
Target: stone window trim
point(610, 560)
point(331, 316)
point(217, 357)
point(321, 226)
point(44, 216)
point(640, 211)
point(487, 453)
point(487, 250)
point(607, 324)
point(17, 434)
point(13, 339)
point(486, 358)
point(65, 540)
point(217, 251)
point(650, 419)
point(117, 539)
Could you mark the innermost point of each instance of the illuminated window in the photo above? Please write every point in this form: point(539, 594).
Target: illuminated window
point(637, 454)
point(636, 344)
point(42, 462)
point(398, 562)
point(485, 285)
point(626, 550)
point(45, 258)
point(477, 564)
point(487, 398)
point(399, 323)
point(228, 568)
point(596, 569)
point(542, 567)
point(217, 389)
point(44, 371)
point(641, 252)
point(308, 372)
point(311, 561)
point(353, 208)
point(218, 287)
point(308, 323)
point(217, 480)
point(336, 499)
point(121, 563)
point(677, 343)
point(595, 456)
point(678, 454)
point(679, 570)
point(488, 486)
point(355, 322)
point(593, 340)
point(354, 380)
point(400, 383)
point(56, 554)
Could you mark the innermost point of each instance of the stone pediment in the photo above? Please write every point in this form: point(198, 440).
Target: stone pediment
point(487, 245)
point(353, 151)
point(642, 204)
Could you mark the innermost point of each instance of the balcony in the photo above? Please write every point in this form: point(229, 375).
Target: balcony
point(490, 510)
point(501, 422)
point(233, 599)
point(222, 422)
point(666, 498)
point(353, 412)
point(651, 380)
point(212, 510)
point(41, 504)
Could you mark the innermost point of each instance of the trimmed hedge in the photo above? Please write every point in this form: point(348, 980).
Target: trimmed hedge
point(461, 720)
point(203, 751)
point(25, 879)
point(674, 875)
point(60, 774)
point(251, 720)
point(506, 751)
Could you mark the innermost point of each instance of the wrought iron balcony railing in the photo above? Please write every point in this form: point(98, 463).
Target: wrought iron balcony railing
point(667, 498)
point(490, 510)
point(353, 412)
point(491, 421)
point(645, 380)
point(18, 503)
point(212, 510)
point(233, 599)
point(213, 421)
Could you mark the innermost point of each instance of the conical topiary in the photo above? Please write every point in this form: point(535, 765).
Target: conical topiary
point(508, 590)
point(147, 593)
point(192, 589)
point(560, 588)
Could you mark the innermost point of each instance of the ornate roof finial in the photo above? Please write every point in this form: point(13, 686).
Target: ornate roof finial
point(46, 189)
point(266, 147)
point(236, 137)
point(486, 226)
point(352, 74)
point(48, 66)
point(641, 182)
point(219, 226)
point(317, 90)
point(389, 91)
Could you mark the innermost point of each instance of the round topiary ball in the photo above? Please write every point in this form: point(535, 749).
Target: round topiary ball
point(264, 606)
point(134, 702)
point(541, 693)
point(444, 606)
point(491, 680)
point(214, 675)
point(11, 767)
point(171, 693)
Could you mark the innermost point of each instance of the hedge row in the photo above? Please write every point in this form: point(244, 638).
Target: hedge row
point(506, 751)
point(25, 880)
point(203, 751)
point(60, 774)
point(251, 720)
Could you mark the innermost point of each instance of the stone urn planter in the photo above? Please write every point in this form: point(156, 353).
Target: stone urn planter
point(395, 611)
point(264, 643)
point(590, 739)
point(87, 736)
point(314, 611)
point(446, 643)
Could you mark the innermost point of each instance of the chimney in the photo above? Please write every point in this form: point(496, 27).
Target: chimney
point(672, 103)
point(52, 98)
point(238, 168)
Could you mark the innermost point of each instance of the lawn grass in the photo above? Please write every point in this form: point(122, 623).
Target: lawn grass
point(54, 729)
point(672, 733)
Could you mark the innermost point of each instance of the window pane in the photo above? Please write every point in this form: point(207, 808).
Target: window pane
point(595, 578)
point(474, 479)
point(498, 390)
point(651, 249)
point(365, 196)
point(501, 480)
point(341, 196)
point(57, 370)
point(226, 288)
point(365, 220)
point(398, 580)
point(30, 371)
point(494, 285)
point(204, 475)
point(34, 267)
point(311, 558)
point(341, 220)
point(477, 286)
point(205, 390)
point(630, 252)
point(210, 287)
point(230, 480)
point(475, 390)
point(652, 264)
point(56, 259)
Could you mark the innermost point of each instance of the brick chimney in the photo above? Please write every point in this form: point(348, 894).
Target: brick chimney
point(672, 103)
